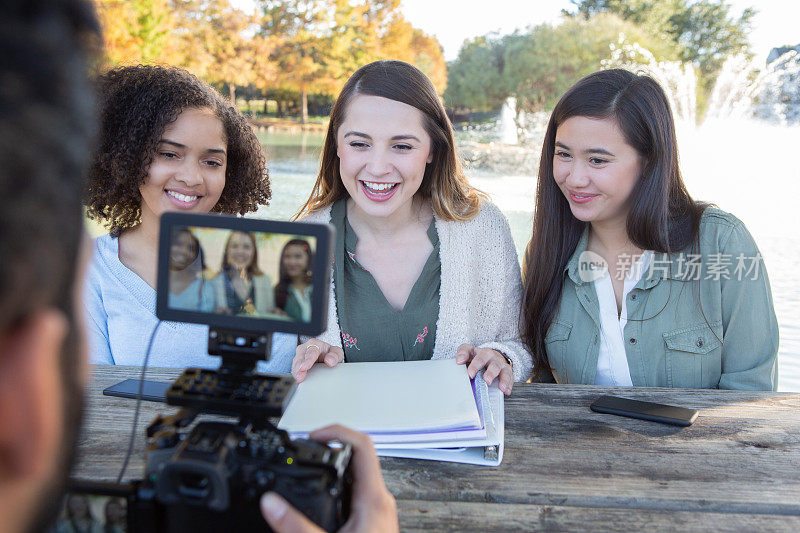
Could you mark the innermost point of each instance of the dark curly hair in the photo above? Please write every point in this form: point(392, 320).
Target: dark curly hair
point(137, 103)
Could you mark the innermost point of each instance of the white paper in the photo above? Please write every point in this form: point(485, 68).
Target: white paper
point(465, 451)
point(393, 397)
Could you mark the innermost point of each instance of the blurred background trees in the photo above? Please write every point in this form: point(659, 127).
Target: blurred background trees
point(293, 56)
point(286, 51)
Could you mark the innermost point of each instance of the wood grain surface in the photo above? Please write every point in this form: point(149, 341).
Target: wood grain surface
point(737, 468)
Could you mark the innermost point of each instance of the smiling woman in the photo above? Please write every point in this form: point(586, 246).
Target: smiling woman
point(628, 280)
point(168, 142)
point(424, 265)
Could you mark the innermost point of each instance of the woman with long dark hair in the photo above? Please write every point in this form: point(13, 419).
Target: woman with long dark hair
point(627, 279)
point(293, 290)
point(188, 286)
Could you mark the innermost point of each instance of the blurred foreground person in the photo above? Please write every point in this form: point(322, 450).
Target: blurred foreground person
point(46, 123)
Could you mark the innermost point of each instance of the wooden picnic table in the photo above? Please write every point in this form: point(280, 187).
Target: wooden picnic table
point(565, 467)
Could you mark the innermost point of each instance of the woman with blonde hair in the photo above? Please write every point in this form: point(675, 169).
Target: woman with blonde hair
point(424, 266)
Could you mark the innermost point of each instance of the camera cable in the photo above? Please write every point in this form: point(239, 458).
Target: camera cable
point(138, 404)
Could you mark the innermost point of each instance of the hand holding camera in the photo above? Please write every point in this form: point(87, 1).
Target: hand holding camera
point(373, 507)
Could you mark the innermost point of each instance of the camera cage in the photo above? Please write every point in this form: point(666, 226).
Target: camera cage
point(181, 448)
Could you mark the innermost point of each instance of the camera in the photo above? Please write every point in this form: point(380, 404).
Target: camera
point(208, 464)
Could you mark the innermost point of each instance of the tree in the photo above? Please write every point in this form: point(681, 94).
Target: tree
point(701, 31)
point(135, 31)
point(303, 30)
point(475, 78)
point(322, 42)
point(538, 65)
point(396, 38)
point(228, 52)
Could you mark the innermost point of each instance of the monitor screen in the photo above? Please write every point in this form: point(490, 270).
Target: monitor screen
point(248, 274)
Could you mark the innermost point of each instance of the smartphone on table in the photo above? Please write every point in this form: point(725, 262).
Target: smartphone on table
point(655, 412)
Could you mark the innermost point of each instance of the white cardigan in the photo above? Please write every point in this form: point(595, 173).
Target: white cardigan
point(479, 301)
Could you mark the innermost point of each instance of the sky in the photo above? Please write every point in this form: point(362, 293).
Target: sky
point(453, 21)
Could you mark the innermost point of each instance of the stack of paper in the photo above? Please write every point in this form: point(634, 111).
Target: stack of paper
point(424, 409)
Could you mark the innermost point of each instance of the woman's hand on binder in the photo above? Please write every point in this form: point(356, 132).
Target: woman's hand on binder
point(372, 506)
point(493, 363)
point(314, 351)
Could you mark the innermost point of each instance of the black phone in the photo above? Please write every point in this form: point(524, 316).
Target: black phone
point(152, 391)
point(655, 412)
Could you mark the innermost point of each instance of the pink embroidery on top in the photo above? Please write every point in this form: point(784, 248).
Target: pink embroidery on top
point(421, 336)
point(348, 341)
point(354, 260)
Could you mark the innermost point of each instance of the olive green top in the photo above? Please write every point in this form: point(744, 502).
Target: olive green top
point(371, 329)
point(697, 319)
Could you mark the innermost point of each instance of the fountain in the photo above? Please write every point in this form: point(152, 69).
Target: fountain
point(506, 126)
point(743, 89)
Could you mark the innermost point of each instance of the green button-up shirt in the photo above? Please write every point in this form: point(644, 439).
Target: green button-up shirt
point(371, 329)
point(697, 319)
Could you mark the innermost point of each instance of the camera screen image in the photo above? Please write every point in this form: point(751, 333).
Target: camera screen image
point(91, 513)
point(241, 273)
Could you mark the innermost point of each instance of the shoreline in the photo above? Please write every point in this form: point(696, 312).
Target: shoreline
point(286, 125)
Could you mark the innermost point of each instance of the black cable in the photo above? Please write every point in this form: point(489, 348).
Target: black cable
point(138, 404)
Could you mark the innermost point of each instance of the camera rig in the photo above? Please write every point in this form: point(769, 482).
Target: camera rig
point(212, 473)
point(209, 463)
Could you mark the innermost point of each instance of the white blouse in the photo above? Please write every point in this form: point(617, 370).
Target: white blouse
point(612, 362)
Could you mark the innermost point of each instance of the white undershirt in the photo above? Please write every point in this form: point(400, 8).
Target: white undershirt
point(612, 363)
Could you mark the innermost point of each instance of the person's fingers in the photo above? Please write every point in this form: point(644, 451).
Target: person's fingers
point(282, 517)
point(506, 382)
point(373, 507)
point(479, 361)
point(315, 351)
point(364, 456)
point(305, 356)
point(463, 353)
point(297, 374)
point(364, 461)
point(334, 356)
point(492, 370)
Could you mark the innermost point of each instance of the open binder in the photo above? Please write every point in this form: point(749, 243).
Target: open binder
point(420, 409)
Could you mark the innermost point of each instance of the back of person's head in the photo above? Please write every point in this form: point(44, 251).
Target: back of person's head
point(46, 127)
point(444, 182)
point(46, 121)
point(137, 103)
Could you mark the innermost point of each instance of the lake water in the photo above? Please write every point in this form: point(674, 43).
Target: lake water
point(750, 169)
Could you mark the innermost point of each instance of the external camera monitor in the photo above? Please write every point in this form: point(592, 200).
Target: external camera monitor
point(244, 274)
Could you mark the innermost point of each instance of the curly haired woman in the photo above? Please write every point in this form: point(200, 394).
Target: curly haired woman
point(168, 142)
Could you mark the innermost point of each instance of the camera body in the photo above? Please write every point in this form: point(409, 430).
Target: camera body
point(212, 478)
point(209, 474)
